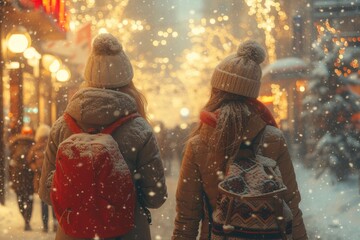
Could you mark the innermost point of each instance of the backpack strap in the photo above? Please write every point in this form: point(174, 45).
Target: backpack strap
point(75, 128)
point(251, 148)
point(255, 143)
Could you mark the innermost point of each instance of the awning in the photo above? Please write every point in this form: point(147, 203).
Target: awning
point(291, 68)
point(39, 24)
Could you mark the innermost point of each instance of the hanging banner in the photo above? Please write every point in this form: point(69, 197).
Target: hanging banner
point(55, 8)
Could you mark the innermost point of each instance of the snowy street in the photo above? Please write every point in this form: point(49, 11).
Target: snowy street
point(331, 212)
point(12, 224)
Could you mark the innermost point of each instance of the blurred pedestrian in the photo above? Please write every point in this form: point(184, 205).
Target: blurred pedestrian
point(21, 176)
point(35, 160)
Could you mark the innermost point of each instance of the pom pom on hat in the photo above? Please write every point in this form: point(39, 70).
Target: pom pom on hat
point(106, 44)
point(240, 73)
point(107, 66)
point(252, 50)
point(42, 131)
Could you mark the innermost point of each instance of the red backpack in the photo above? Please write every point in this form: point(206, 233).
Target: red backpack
point(93, 194)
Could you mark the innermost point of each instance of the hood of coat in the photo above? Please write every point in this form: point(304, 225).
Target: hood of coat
point(97, 106)
point(209, 120)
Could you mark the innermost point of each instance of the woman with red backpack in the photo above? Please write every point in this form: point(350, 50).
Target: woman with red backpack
point(232, 120)
point(107, 96)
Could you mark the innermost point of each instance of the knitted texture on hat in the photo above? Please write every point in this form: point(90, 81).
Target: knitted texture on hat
point(107, 66)
point(240, 73)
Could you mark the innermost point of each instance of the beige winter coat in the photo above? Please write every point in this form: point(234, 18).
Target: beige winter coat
point(199, 176)
point(93, 107)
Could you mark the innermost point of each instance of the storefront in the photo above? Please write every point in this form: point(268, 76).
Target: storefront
point(24, 78)
point(23, 25)
point(284, 84)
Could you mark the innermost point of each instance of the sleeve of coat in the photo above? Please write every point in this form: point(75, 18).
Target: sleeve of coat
point(150, 174)
point(189, 200)
point(292, 196)
point(48, 169)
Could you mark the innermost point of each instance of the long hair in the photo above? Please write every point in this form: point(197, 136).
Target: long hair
point(139, 98)
point(233, 112)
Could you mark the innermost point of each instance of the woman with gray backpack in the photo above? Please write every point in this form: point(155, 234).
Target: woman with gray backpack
point(237, 178)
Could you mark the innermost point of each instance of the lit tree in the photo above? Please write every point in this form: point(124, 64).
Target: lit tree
point(210, 44)
point(268, 15)
point(330, 104)
point(164, 92)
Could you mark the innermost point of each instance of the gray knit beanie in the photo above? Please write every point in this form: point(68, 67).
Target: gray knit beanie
point(240, 73)
point(107, 66)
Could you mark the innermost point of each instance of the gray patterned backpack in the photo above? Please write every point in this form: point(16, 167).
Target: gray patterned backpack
point(250, 203)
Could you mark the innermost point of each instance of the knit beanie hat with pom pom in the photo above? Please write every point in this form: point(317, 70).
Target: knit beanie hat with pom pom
point(240, 73)
point(107, 66)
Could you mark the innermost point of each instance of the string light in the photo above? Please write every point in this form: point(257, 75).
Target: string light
point(265, 18)
point(280, 103)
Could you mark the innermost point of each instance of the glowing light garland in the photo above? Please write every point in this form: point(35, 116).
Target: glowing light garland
point(105, 18)
point(266, 20)
point(343, 43)
point(210, 43)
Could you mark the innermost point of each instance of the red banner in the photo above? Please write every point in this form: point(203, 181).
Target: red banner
point(54, 8)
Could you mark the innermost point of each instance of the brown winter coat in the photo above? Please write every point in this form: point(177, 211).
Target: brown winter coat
point(94, 108)
point(198, 176)
point(35, 160)
point(21, 176)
